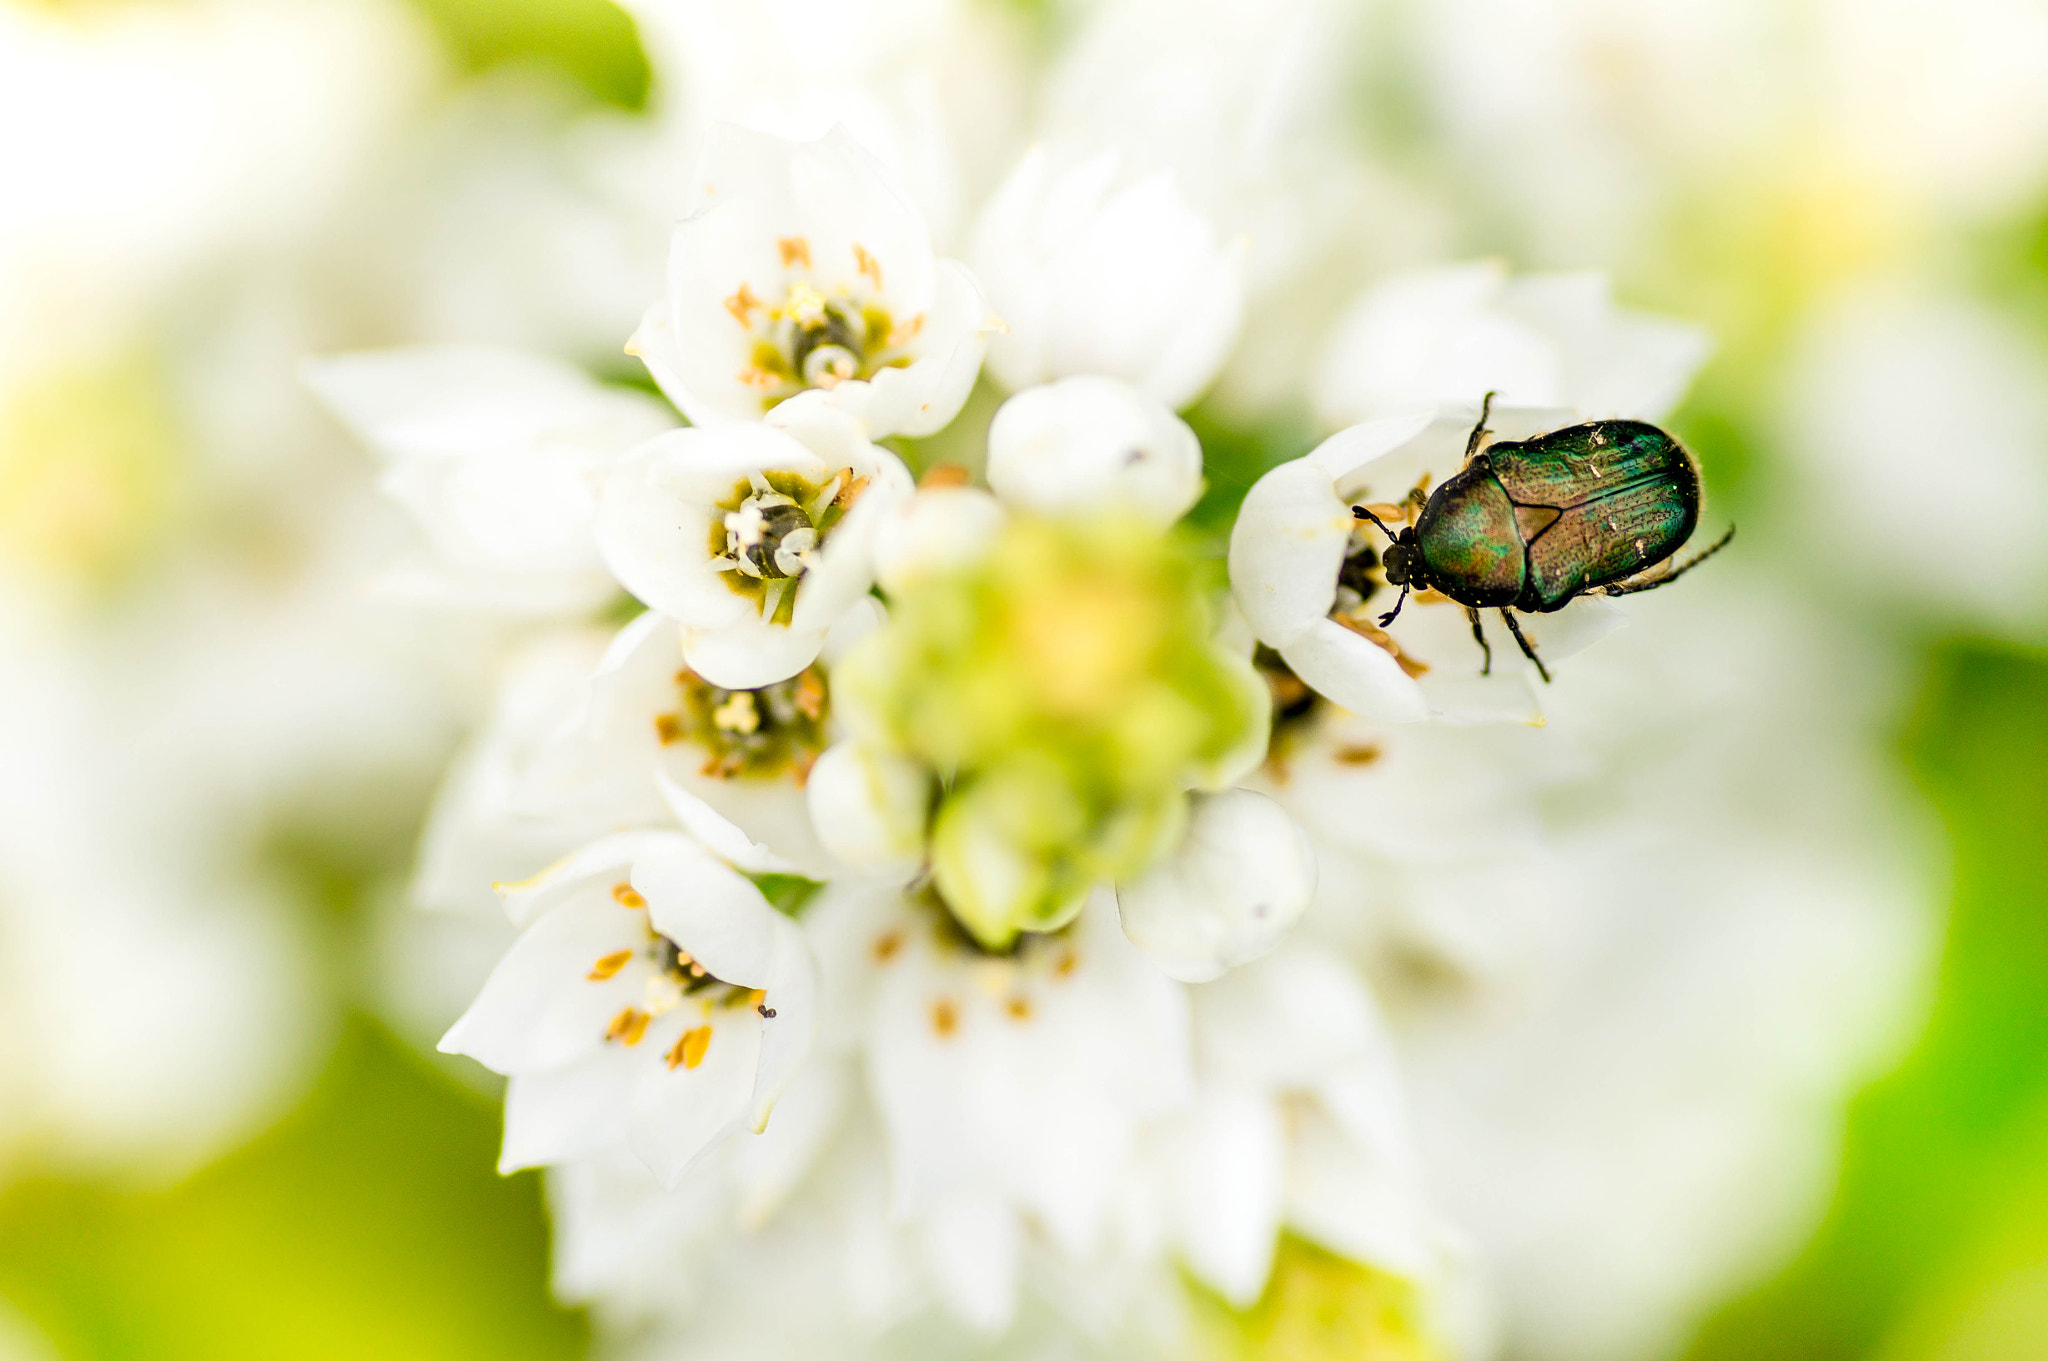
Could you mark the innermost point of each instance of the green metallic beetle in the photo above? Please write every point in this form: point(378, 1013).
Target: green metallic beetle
point(1532, 524)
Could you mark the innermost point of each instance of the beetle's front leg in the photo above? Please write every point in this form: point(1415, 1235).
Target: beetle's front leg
point(1527, 651)
point(1479, 636)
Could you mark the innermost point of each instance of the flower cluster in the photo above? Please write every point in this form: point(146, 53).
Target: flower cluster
point(958, 891)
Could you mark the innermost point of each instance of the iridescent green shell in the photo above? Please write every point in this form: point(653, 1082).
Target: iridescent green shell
point(1533, 523)
point(1469, 541)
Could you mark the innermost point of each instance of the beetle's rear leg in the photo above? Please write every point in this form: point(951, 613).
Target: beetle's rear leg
point(1479, 430)
point(1527, 651)
point(1479, 636)
point(1669, 577)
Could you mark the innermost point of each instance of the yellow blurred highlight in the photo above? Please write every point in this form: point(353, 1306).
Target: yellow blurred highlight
point(88, 472)
point(1318, 1307)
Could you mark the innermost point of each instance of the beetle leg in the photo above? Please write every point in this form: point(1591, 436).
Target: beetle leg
point(1638, 588)
point(1479, 635)
point(1416, 499)
point(1527, 651)
point(1388, 617)
point(1479, 430)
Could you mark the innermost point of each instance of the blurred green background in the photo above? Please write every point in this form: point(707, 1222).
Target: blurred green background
point(369, 1223)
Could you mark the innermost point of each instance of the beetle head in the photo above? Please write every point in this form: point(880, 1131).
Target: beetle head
point(1403, 562)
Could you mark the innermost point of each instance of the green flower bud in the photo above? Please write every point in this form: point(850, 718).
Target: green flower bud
point(1066, 690)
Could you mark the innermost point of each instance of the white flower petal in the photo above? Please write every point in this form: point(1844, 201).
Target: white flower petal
point(537, 1010)
point(787, 1036)
point(939, 529)
point(1088, 441)
point(571, 1111)
point(1354, 672)
point(527, 899)
point(870, 806)
point(1127, 280)
point(1229, 893)
point(718, 834)
point(712, 912)
point(495, 454)
point(1229, 1154)
point(749, 652)
point(922, 398)
point(972, 1246)
point(1341, 1196)
point(681, 1112)
point(1286, 549)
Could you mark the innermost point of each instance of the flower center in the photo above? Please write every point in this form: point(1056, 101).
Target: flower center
point(815, 338)
point(772, 525)
point(669, 978)
point(769, 535)
point(762, 733)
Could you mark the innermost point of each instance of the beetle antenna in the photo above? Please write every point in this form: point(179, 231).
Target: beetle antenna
point(1361, 513)
point(1388, 617)
point(1479, 431)
point(1711, 549)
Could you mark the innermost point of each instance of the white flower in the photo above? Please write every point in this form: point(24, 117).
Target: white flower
point(939, 529)
point(1246, 104)
point(756, 538)
point(1012, 1089)
point(1298, 1120)
point(871, 806)
point(1292, 556)
point(1231, 891)
point(638, 1250)
point(1084, 443)
point(747, 753)
point(1552, 340)
point(801, 265)
point(922, 84)
point(654, 999)
point(1428, 837)
point(1091, 276)
point(496, 454)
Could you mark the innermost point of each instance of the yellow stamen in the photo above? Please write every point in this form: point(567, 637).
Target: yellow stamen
point(690, 1049)
point(1380, 638)
point(629, 1027)
point(669, 727)
point(754, 376)
point(794, 249)
point(738, 714)
point(608, 966)
point(905, 332)
point(945, 1018)
point(887, 946)
point(1019, 1008)
point(625, 896)
point(810, 694)
point(867, 263)
point(742, 304)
